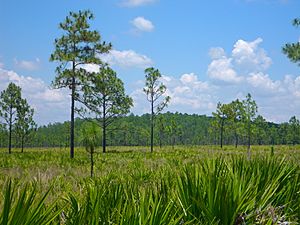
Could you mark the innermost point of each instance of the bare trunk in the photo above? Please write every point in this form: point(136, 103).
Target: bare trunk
point(22, 145)
point(152, 125)
point(104, 126)
point(160, 139)
point(104, 139)
point(72, 114)
point(10, 130)
point(236, 139)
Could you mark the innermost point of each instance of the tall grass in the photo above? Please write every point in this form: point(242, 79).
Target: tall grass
point(178, 186)
point(26, 207)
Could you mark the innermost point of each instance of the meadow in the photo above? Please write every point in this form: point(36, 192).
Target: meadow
point(180, 185)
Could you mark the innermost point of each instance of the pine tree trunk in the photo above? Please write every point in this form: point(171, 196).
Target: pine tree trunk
point(152, 125)
point(160, 139)
point(10, 130)
point(22, 145)
point(104, 139)
point(104, 126)
point(72, 114)
point(236, 140)
point(249, 140)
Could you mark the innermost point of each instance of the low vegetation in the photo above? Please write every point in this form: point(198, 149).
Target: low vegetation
point(195, 185)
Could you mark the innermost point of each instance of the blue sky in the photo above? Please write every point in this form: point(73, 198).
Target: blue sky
point(208, 51)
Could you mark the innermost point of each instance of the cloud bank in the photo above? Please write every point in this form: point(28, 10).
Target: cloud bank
point(232, 75)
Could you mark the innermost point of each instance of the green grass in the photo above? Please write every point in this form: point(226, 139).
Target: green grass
point(185, 185)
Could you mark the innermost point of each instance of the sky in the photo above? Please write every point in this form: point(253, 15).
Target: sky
point(208, 51)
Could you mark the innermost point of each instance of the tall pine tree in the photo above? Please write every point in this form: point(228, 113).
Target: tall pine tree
point(155, 89)
point(78, 46)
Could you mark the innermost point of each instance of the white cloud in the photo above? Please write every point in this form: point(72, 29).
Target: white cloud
point(277, 99)
point(222, 69)
point(50, 105)
point(293, 85)
point(249, 56)
point(246, 58)
point(282, 105)
point(263, 81)
point(188, 78)
point(142, 24)
point(136, 3)
point(127, 58)
point(91, 67)
point(28, 65)
point(188, 94)
point(191, 80)
point(242, 71)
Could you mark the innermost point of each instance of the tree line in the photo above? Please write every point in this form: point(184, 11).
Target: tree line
point(170, 129)
point(100, 100)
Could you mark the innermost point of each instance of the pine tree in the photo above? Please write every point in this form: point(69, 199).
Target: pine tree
point(77, 47)
point(10, 99)
point(25, 124)
point(155, 89)
point(104, 96)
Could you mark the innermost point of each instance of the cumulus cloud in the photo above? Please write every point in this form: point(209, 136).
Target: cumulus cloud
point(249, 56)
point(127, 58)
point(264, 82)
point(280, 105)
point(136, 3)
point(28, 65)
point(143, 25)
point(124, 59)
point(198, 96)
point(50, 105)
point(222, 69)
point(188, 94)
point(245, 70)
point(292, 85)
point(231, 76)
point(246, 57)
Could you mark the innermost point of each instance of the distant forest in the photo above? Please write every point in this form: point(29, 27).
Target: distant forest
point(170, 129)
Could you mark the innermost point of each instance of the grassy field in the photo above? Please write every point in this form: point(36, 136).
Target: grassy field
point(184, 185)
